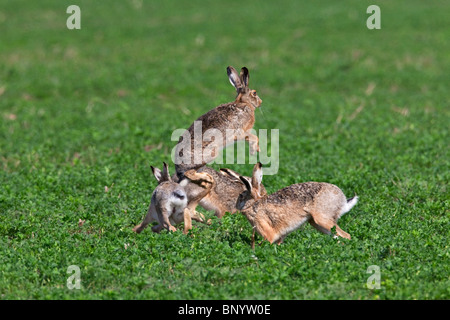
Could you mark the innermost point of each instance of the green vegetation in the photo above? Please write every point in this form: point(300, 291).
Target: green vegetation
point(84, 113)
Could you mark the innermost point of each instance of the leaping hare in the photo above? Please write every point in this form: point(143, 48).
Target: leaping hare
point(275, 216)
point(233, 120)
point(170, 204)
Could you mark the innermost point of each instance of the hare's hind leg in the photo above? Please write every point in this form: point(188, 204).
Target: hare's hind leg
point(163, 216)
point(150, 217)
point(157, 228)
point(204, 180)
point(187, 220)
point(197, 216)
point(219, 213)
point(193, 215)
point(342, 233)
point(324, 225)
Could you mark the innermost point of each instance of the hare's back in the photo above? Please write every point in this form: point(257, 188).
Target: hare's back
point(227, 116)
point(309, 193)
point(300, 192)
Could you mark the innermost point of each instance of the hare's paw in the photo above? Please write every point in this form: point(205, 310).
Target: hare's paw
point(157, 228)
point(254, 147)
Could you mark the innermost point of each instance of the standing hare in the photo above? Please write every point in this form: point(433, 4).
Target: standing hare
point(170, 204)
point(275, 216)
point(226, 123)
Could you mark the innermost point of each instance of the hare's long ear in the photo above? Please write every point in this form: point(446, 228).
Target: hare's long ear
point(229, 173)
point(234, 78)
point(257, 176)
point(157, 173)
point(244, 76)
point(165, 173)
point(247, 183)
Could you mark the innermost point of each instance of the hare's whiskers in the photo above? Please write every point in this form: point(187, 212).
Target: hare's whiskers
point(262, 113)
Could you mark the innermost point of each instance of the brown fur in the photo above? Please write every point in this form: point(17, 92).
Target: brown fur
point(238, 115)
point(276, 215)
point(224, 192)
point(170, 204)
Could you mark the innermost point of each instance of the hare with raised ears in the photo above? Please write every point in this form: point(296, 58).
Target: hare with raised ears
point(170, 203)
point(275, 216)
point(232, 120)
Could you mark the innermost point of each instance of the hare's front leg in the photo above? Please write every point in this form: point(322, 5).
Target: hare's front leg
point(253, 142)
point(253, 238)
point(187, 220)
point(249, 137)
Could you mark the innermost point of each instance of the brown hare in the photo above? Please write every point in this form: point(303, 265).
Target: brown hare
point(170, 204)
point(225, 190)
point(233, 121)
point(274, 216)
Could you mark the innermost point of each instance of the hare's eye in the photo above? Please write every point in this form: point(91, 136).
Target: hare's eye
point(254, 93)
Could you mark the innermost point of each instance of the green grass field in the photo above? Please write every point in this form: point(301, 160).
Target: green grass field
point(81, 110)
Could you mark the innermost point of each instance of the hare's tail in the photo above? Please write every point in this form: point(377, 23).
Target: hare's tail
point(349, 205)
point(177, 199)
point(179, 195)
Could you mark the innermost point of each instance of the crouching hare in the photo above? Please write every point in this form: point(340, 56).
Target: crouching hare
point(170, 204)
point(274, 216)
